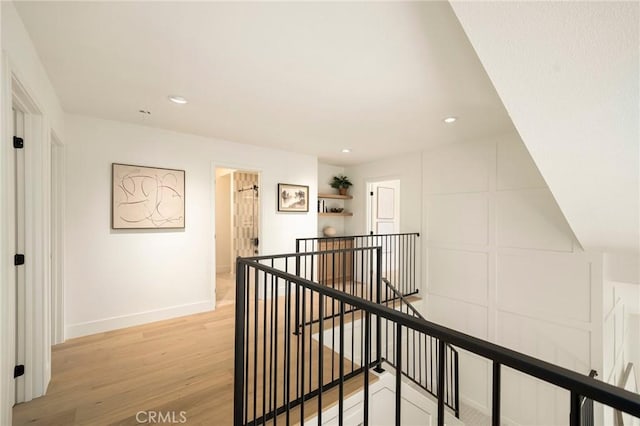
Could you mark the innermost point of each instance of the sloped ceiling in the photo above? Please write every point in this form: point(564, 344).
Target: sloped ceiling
point(568, 74)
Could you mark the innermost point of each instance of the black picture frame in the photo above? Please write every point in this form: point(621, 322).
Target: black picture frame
point(293, 198)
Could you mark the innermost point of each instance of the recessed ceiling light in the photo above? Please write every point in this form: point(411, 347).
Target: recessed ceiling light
point(346, 150)
point(177, 99)
point(450, 120)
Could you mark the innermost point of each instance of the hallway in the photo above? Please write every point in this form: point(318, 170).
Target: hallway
point(179, 365)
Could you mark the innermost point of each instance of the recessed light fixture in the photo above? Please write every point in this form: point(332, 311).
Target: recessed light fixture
point(346, 150)
point(177, 99)
point(144, 111)
point(450, 120)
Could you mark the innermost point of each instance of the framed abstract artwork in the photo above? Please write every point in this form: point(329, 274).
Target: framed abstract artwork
point(293, 198)
point(146, 197)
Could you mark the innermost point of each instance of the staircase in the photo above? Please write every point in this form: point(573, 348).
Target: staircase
point(418, 409)
point(310, 352)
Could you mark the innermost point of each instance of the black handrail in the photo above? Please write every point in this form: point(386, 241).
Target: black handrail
point(338, 237)
point(578, 384)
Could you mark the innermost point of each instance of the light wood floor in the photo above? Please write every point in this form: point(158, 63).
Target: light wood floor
point(184, 364)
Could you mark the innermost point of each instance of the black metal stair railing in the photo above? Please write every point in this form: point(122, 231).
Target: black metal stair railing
point(336, 266)
point(283, 377)
point(421, 357)
point(299, 344)
point(399, 261)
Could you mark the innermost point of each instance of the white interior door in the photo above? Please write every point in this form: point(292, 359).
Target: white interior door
point(19, 126)
point(384, 219)
point(384, 207)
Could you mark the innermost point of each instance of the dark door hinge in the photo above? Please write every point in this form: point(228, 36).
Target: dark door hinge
point(18, 371)
point(18, 259)
point(371, 193)
point(18, 143)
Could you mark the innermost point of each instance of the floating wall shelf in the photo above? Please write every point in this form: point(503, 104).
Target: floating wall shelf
point(336, 196)
point(335, 214)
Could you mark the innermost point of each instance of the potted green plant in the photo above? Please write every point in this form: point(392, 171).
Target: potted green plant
point(341, 183)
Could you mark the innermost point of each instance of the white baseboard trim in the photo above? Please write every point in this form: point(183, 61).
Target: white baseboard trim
point(114, 323)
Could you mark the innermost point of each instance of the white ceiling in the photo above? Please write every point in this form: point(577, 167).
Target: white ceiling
point(306, 77)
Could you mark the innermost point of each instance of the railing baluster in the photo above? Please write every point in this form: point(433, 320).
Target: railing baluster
point(367, 362)
point(441, 368)
point(286, 397)
point(398, 357)
point(264, 349)
point(274, 343)
point(495, 395)
point(574, 409)
point(320, 358)
point(311, 306)
point(379, 368)
point(341, 385)
point(297, 313)
point(239, 349)
point(457, 385)
point(302, 336)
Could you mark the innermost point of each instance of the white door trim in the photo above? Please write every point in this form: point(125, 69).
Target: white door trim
point(57, 239)
point(37, 242)
point(7, 269)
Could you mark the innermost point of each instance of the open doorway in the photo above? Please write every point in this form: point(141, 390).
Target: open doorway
point(237, 225)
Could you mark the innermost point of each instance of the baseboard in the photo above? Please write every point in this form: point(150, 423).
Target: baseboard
point(114, 323)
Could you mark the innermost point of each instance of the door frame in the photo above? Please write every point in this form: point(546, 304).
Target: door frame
point(237, 167)
point(7, 269)
point(37, 244)
point(369, 208)
point(58, 198)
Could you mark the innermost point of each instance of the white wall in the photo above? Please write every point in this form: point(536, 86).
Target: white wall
point(325, 173)
point(568, 74)
point(223, 223)
point(25, 63)
point(407, 169)
point(121, 278)
point(503, 265)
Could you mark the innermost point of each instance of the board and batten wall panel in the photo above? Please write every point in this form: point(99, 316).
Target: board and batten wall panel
point(503, 264)
point(459, 218)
